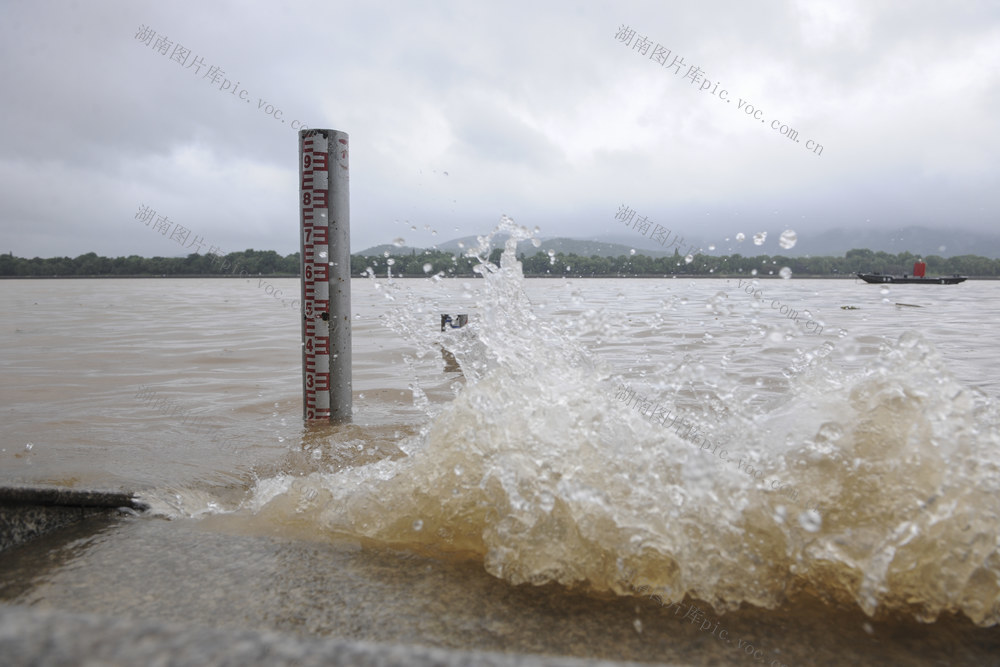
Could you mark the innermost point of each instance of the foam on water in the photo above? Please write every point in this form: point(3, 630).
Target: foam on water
point(537, 469)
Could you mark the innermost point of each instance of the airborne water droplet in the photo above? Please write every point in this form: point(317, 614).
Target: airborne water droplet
point(688, 259)
point(740, 237)
point(418, 525)
point(759, 238)
point(788, 239)
point(785, 272)
point(428, 268)
point(398, 242)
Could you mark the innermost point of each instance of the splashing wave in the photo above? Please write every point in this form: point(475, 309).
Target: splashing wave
point(538, 471)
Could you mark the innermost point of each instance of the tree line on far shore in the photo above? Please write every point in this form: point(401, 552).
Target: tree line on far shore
point(432, 262)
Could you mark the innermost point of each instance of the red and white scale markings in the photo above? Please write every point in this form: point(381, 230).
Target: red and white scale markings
point(315, 190)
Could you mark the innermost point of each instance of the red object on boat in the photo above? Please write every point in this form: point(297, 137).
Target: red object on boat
point(918, 269)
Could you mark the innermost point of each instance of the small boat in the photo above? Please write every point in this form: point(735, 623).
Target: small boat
point(918, 277)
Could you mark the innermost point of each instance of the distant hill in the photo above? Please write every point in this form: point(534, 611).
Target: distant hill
point(388, 248)
point(833, 243)
point(836, 242)
point(557, 245)
point(918, 240)
point(649, 247)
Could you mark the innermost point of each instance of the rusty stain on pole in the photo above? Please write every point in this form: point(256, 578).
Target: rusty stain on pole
point(326, 275)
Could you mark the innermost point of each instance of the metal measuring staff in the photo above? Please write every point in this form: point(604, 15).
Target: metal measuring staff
point(326, 275)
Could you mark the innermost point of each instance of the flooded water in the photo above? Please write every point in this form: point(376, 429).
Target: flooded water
point(677, 438)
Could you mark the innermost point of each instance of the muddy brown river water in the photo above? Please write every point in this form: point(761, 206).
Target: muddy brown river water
point(525, 503)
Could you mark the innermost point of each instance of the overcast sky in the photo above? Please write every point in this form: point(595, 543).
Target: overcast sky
point(459, 112)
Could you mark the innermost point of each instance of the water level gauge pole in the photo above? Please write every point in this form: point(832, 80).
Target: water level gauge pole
point(326, 275)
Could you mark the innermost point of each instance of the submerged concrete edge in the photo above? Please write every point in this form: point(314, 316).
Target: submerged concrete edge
point(66, 497)
point(29, 511)
point(30, 636)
